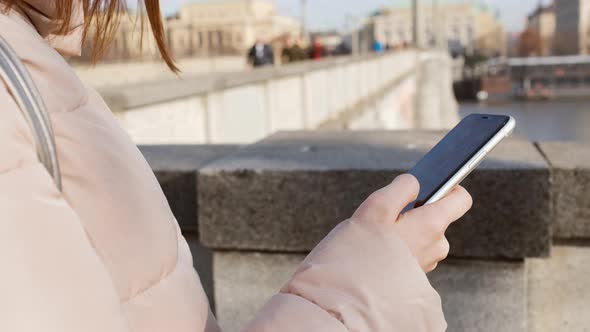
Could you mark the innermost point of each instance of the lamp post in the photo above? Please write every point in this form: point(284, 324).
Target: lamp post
point(439, 27)
point(417, 23)
point(304, 19)
point(352, 28)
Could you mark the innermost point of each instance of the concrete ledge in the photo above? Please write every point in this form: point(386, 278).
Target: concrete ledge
point(244, 282)
point(558, 296)
point(203, 264)
point(570, 187)
point(286, 192)
point(477, 296)
point(482, 296)
point(176, 168)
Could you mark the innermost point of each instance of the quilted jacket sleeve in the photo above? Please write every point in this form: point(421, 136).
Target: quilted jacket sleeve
point(52, 280)
point(360, 278)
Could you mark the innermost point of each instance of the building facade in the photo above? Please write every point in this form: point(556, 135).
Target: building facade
point(133, 40)
point(203, 29)
point(460, 25)
point(229, 26)
point(541, 26)
point(572, 27)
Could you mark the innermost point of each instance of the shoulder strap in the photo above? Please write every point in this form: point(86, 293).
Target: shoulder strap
point(27, 97)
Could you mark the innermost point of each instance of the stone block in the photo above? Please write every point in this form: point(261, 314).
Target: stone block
point(203, 263)
point(482, 296)
point(558, 290)
point(477, 295)
point(244, 282)
point(286, 192)
point(176, 168)
point(570, 164)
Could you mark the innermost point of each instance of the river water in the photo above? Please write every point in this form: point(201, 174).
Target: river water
point(544, 120)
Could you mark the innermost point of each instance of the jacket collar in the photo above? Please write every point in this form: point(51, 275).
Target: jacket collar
point(42, 14)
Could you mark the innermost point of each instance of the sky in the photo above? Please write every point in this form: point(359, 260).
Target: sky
point(330, 14)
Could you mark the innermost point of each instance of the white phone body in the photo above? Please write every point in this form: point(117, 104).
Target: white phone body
point(472, 164)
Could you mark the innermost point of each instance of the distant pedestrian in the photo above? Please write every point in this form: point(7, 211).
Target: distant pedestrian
point(261, 54)
point(378, 46)
point(293, 52)
point(317, 50)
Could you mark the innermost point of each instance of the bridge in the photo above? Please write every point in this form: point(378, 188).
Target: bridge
point(531, 78)
point(252, 198)
point(348, 92)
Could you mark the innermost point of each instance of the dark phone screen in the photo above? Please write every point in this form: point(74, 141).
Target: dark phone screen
point(454, 151)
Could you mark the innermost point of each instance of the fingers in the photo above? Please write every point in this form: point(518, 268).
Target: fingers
point(402, 191)
point(430, 268)
point(439, 252)
point(454, 205)
point(442, 249)
point(423, 229)
point(387, 203)
point(445, 211)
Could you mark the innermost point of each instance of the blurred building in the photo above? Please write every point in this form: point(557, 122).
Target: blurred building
point(230, 26)
point(572, 27)
point(512, 44)
point(465, 27)
point(125, 45)
point(203, 29)
point(541, 28)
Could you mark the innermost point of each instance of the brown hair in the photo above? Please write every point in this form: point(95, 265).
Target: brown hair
point(102, 21)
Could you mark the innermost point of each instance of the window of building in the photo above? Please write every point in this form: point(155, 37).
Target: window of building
point(470, 34)
point(219, 38)
point(456, 32)
point(210, 37)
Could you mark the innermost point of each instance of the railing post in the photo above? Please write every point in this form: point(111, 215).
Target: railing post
point(268, 106)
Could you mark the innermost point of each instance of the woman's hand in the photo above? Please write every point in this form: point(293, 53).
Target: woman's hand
point(422, 229)
point(364, 275)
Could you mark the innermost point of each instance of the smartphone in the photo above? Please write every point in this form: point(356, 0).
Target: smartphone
point(458, 154)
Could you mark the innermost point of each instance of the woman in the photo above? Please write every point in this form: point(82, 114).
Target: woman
point(106, 254)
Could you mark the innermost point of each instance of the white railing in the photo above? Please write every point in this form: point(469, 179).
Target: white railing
point(244, 107)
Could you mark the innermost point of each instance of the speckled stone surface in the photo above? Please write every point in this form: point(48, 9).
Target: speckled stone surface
point(476, 295)
point(176, 168)
point(571, 188)
point(482, 296)
point(203, 264)
point(286, 192)
point(558, 296)
point(244, 282)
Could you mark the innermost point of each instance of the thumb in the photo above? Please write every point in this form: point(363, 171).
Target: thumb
point(387, 203)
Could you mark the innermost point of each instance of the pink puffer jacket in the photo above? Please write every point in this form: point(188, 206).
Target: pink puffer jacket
point(106, 254)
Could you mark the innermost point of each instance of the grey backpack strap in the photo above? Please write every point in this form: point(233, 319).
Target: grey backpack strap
point(27, 97)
